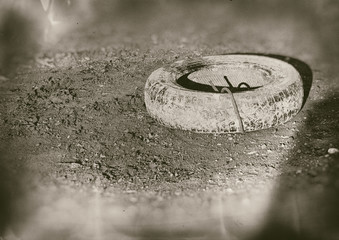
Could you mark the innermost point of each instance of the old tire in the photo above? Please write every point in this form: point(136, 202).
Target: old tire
point(277, 95)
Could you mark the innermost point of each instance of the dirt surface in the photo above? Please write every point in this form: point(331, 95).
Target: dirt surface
point(74, 118)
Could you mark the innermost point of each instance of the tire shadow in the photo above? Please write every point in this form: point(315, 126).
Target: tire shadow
point(305, 205)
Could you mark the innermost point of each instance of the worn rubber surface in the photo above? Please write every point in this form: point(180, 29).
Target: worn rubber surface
point(277, 96)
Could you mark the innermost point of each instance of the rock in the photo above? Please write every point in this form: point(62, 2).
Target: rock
point(75, 165)
point(312, 173)
point(229, 190)
point(333, 150)
point(253, 172)
point(89, 177)
point(131, 172)
point(251, 153)
point(153, 166)
point(177, 193)
point(96, 165)
point(282, 145)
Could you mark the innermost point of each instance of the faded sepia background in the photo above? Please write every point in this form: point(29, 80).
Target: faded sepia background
point(81, 158)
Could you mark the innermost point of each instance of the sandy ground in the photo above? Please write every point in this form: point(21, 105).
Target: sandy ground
point(81, 158)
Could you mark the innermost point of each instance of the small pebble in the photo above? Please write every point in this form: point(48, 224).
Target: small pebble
point(89, 177)
point(312, 173)
point(263, 146)
point(253, 172)
point(251, 153)
point(96, 166)
point(333, 150)
point(75, 165)
point(229, 190)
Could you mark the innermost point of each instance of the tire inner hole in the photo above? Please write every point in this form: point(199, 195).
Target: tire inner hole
point(238, 79)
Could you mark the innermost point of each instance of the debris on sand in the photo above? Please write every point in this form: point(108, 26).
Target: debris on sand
point(333, 150)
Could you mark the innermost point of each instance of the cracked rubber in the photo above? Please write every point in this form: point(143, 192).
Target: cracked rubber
point(275, 101)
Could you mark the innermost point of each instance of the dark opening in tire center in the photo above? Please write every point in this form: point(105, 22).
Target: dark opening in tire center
point(253, 75)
